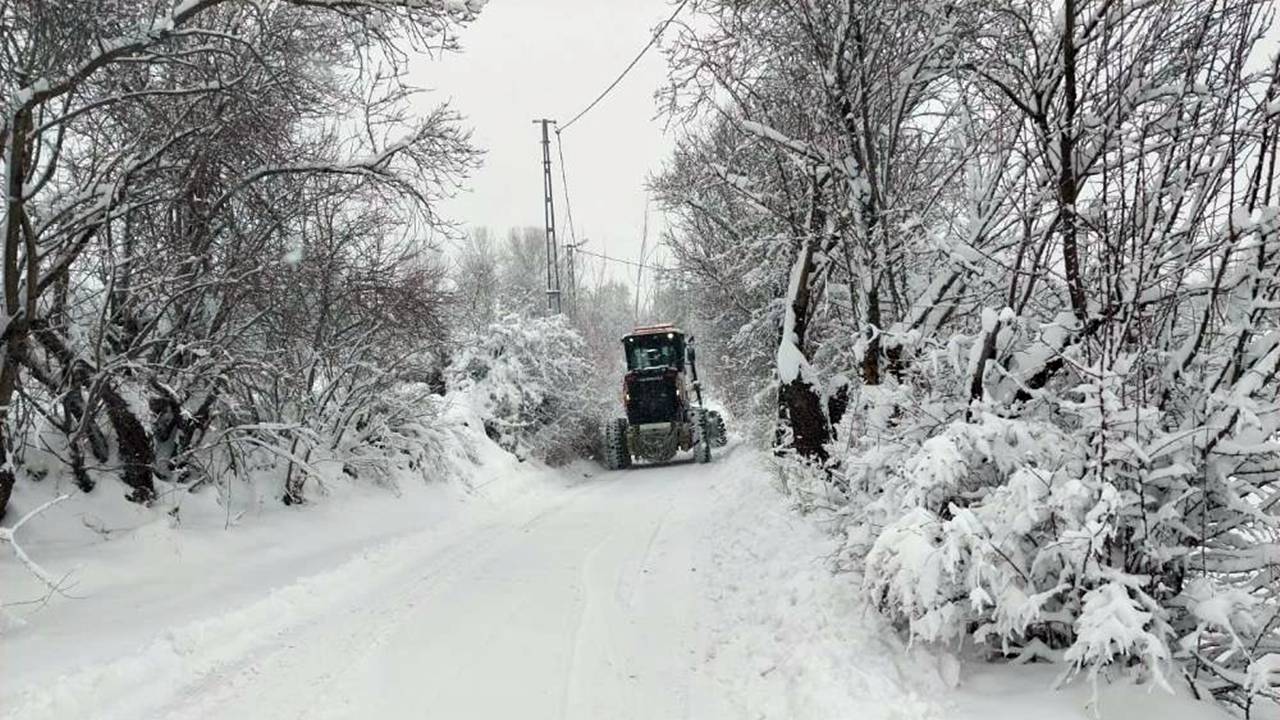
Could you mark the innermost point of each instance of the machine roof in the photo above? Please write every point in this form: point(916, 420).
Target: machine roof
point(655, 330)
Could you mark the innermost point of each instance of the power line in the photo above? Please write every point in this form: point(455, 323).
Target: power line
point(632, 263)
point(564, 188)
point(644, 238)
point(572, 245)
point(612, 85)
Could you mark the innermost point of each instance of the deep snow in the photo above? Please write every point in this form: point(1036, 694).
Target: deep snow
point(675, 591)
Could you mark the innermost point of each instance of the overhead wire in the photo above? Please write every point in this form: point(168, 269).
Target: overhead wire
point(561, 127)
point(573, 237)
point(632, 263)
point(564, 187)
point(652, 41)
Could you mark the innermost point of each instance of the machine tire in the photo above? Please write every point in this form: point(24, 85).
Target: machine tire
point(617, 456)
point(715, 427)
point(702, 445)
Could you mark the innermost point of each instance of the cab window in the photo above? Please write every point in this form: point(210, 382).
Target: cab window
point(657, 350)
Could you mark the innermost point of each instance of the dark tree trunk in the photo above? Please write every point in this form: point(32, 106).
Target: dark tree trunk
point(78, 472)
point(15, 331)
point(871, 357)
point(801, 408)
point(136, 453)
point(8, 383)
point(837, 406)
point(6, 478)
point(1068, 183)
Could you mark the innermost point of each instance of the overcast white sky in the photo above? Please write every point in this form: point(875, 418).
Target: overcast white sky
point(526, 59)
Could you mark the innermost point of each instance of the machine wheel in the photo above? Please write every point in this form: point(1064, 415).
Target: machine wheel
point(716, 430)
point(617, 455)
point(702, 444)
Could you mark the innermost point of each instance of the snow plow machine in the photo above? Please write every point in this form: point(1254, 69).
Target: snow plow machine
point(663, 402)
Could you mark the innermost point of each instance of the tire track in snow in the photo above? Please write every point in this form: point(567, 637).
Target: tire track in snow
point(134, 685)
point(627, 597)
point(363, 621)
point(217, 654)
point(576, 639)
point(369, 622)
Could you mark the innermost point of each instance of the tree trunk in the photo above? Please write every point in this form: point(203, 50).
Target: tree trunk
point(837, 406)
point(799, 405)
point(15, 170)
point(137, 457)
point(1068, 183)
point(136, 453)
point(871, 356)
point(801, 408)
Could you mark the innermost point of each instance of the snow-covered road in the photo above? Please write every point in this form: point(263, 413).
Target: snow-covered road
point(587, 608)
point(606, 596)
point(680, 591)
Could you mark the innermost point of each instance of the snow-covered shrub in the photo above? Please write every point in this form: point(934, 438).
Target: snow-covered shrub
point(357, 420)
point(404, 433)
point(527, 377)
point(1089, 530)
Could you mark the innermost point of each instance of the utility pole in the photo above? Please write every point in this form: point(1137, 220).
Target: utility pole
point(549, 211)
point(571, 249)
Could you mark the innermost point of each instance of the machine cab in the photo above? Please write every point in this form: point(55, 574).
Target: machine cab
point(655, 346)
point(653, 389)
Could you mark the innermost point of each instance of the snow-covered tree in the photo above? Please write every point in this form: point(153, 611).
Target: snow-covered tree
point(1020, 257)
point(531, 382)
point(167, 169)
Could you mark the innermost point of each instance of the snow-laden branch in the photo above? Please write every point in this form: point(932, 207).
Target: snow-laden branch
point(10, 535)
point(42, 90)
point(799, 148)
point(106, 52)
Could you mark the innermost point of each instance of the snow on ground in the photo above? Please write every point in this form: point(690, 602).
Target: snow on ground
point(675, 591)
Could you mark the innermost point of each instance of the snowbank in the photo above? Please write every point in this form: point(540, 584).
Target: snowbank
point(792, 639)
point(152, 596)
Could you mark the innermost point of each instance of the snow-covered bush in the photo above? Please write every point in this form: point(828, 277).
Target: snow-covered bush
point(404, 433)
point(527, 377)
point(1091, 530)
